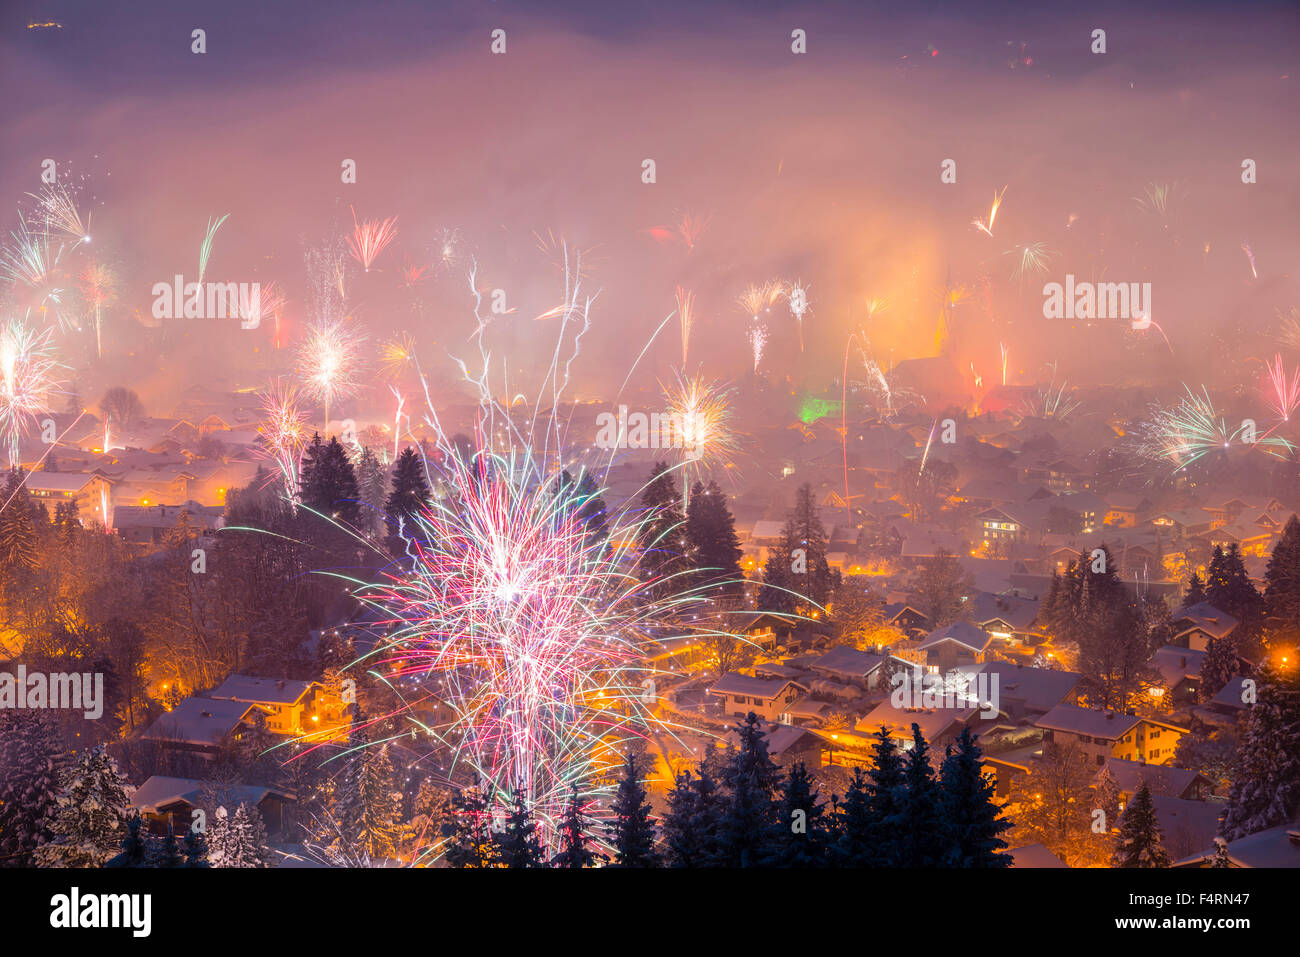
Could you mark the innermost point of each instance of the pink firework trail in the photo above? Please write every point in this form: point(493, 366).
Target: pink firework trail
point(1283, 390)
point(371, 238)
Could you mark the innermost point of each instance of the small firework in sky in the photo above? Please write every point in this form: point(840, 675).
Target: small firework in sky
point(685, 300)
point(370, 238)
point(28, 367)
point(205, 248)
point(987, 227)
point(797, 295)
point(329, 362)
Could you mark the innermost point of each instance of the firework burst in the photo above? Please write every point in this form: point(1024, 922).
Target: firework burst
point(57, 206)
point(99, 286)
point(28, 367)
point(980, 224)
point(797, 295)
point(757, 335)
point(396, 356)
point(702, 410)
point(370, 238)
point(1190, 431)
point(329, 362)
point(685, 300)
point(1282, 390)
point(1030, 258)
point(285, 431)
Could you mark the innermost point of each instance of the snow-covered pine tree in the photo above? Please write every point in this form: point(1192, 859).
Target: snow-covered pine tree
point(973, 819)
point(368, 806)
point(1220, 665)
point(136, 850)
point(90, 822)
point(923, 837)
point(1221, 858)
point(1265, 788)
point(799, 835)
point(169, 855)
point(30, 767)
point(853, 832)
point(682, 844)
point(631, 831)
point(748, 810)
point(1138, 844)
point(196, 849)
point(468, 829)
point(574, 828)
point(886, 794)
point(517, 844)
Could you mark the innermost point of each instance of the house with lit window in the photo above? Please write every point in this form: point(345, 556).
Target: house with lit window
point(769, 698)
point(1007, 618)
point(92, 491)
point(1195, 625)
point(201, 725)
point(1164, 780)
point(288, 705)
point(1109, 734)
point(951, 646)
point(999, 525)
point(1125, 509)
point(1180, 673)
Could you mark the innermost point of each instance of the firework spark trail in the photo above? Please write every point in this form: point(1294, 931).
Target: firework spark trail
point(1250, 255)
point(205, 249)
point(397, 356)
point(370, 238)
point(329, 362)
point(1005, 354)
point(759, 297)
point(27, 261)
point(397, 419)
point(1031, 258)
point(797, 294)
point(99, 285)
point(28, 369)
point(1050, 401)
point(690, 228)
point(285, 432)
point(979, 223)
point(702, 408)
point(757, 342)
point(685, 300)
point(1189, 431)
point(58, 208)
point(1283, 392)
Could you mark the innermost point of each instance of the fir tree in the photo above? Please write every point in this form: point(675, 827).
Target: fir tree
point(924, 837)
point(1265, 788)
point(1138, 844)
point(135, 846)
point(196, 849)
point(941, 589)
point(591, 509)
point(17, 530)
point(747, 812)
point(661, 533)
point(683, 846)
point(1282, 581)
point(517, 844)
point(713, 546)
point(968, 810)
point(574, 828)
point(853, 833)
point(804, 530)
point(367, 805)
point(328, 482)
point(372, 482)
point(1228, 587)
point(170, 855)
point(800, 835)
point(1220, 665)
point(631, 832)
point(91, 819)
point(409, 496)
point(30, 767)
point(468, 829)
point(886, 797)
point(1195, 593)
point(237, 840)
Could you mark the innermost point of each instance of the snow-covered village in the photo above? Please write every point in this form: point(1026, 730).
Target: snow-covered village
point(663, 436)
